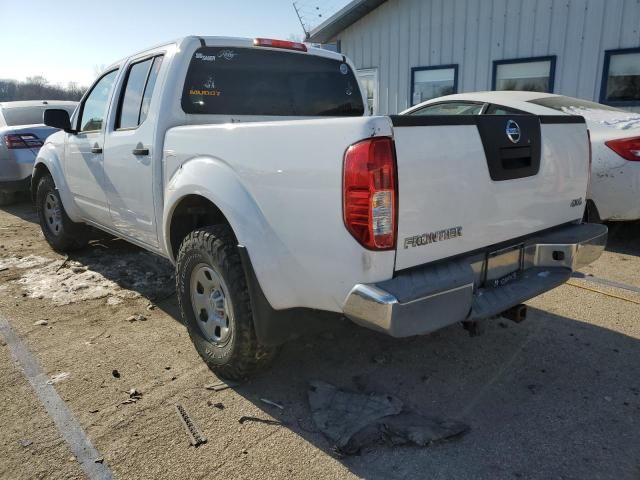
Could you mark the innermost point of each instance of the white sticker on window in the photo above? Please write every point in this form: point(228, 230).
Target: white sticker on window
point(227, 54)
point(210, 83)
point(206, 58)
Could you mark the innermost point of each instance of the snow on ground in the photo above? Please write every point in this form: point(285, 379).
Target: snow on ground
point(94, 276)
point(29, 261)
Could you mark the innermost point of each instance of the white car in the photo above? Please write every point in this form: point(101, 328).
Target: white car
point(615, 139)
point(22, 133)
point(250, 163)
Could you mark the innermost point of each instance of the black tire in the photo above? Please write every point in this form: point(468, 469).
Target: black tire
point(234, 353)
point(591, 214)
point(60, 232)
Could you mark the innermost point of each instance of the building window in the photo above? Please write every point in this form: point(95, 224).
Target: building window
point(368, 78)
point(621, 78)
point(528, 74)
point(432, 82)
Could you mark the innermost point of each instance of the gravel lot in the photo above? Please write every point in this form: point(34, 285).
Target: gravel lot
point(557, 396)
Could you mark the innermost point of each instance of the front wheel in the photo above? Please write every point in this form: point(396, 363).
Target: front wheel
point(59, 230)
point(215, 305)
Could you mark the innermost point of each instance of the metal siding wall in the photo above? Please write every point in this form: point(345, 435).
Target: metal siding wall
point(401, 34)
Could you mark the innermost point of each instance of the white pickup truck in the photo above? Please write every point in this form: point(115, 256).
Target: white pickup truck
point(250, 164)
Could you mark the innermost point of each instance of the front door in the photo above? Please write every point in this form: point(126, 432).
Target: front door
point(83, 164)
point(130, 161)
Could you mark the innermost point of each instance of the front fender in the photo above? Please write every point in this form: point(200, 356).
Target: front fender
point(216, 181)
point(50, 157)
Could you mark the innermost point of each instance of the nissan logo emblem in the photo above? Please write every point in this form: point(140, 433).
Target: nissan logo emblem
point(513, 131)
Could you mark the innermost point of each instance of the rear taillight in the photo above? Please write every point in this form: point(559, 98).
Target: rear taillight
point(22, 140)
point(287, 45)
point(370, 193)
point(627, 148)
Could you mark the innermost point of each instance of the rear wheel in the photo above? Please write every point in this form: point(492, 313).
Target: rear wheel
point(58, 229)
point(215, 305)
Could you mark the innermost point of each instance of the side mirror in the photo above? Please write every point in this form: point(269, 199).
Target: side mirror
point(58, 118)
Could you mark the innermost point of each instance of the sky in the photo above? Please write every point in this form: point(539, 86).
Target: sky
point(71, 40)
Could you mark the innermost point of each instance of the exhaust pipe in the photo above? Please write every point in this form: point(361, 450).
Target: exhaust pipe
point(516, 314)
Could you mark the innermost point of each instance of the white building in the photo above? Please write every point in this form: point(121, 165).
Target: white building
point(407, 51)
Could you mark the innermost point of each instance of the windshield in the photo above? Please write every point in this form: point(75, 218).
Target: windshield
point(16, 116)
point(252, 81)
point(566, 104)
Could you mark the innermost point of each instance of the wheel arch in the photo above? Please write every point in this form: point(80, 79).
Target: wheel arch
point(190, 212)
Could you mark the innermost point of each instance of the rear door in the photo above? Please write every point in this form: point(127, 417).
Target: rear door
point(129, 158)
point(472, 181)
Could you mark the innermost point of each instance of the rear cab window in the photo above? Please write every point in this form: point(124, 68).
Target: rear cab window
point(17, 116)
point(450, 108)
point(257, 81)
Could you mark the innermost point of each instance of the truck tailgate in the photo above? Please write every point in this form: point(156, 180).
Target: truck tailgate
point(470, 182)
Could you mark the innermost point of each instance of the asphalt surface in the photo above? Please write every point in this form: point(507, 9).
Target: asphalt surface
point(557, 396)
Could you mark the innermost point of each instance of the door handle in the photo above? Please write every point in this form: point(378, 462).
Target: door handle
point(96, 150)
point(141, 151)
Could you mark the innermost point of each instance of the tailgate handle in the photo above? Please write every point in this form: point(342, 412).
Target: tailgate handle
point(141, 151)
point(515, 158)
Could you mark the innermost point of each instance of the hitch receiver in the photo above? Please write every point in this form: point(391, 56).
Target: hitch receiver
point(516, 314)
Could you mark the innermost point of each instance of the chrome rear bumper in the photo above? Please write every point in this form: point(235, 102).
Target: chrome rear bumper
point(423, 300)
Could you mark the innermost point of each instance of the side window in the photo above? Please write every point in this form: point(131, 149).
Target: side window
point(528, 74)
point(500, 110)
point(432, 82)
point(138, 89)
point(95, 106)
point(621, 80)
point(453, 108)
point(148, 91)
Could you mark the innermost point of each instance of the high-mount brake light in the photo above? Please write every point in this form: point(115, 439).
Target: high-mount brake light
point(22, 140)
point(370, 193)
point(285, 44)
point(627, 148)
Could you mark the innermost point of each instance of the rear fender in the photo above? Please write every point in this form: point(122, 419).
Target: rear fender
point(216, 181)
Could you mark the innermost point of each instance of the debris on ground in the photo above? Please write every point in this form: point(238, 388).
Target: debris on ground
point(195, 436)
point(151, 307)
point(115, 373)
point(58, 378)
point(136, 317)
point(266, 421)
point(40, 323)
point(134, 396)
point(218, 405)
point(272, 403)
point(26, 443)
point(219, 386)
point(99, 460)
point(355, 420)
